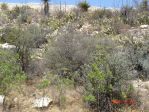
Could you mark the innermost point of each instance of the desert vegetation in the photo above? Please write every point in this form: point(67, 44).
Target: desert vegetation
point(78, 61)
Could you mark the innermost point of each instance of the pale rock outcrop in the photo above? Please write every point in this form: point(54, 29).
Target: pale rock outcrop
point(7, 46)
point(2, 97)
point(42, 102)
point(144, 26)
point(141, 90)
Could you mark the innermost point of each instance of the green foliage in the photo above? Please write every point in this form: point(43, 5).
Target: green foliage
point(89, 98)
point(11, 75)
point(108, 76)
point(10, 35)
point(44, 84)
point(83, 6)
point(4, 6)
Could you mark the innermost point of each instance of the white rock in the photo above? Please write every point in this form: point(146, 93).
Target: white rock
point(42, 102)
point(144, 26)
point(2, 97)
point(7, 46)
point(136, 83)
point(54, 33)
point(95, 33)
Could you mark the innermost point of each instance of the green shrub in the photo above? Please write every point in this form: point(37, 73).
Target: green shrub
point(108, 76)
point(9, 35)
point(4, 6)
point(83, 6)
point(11, 75)
point(24, 38)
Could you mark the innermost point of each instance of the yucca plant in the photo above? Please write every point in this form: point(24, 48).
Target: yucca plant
point(84, 5)
point(46, 7)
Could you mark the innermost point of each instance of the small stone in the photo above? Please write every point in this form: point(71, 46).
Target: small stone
point(42, 102)
point(144, 26)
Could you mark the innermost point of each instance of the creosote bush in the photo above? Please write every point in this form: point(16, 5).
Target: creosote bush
point(69, 51)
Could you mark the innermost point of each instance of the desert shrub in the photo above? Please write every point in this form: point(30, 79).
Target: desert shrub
point(9, 35)
point(108, 76)
point(28, 39)
point(61, 84)
point(11, 75)
point(129, 15)
point(69, 51)
point(143, 17)
point(3, 19)
point(143, 12)
point(102, 13)
point(25, 14)
point(14, 13)
point(136, 51)
point(54, 23)
point(83, 6)
point(4, 6)
point(59, 14)
point(69, 17)
point(77, 13)
point(24, 38)
point(143, 6)
point(112, 26)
